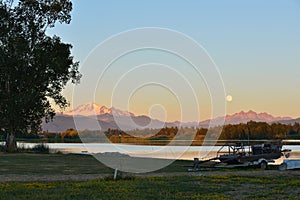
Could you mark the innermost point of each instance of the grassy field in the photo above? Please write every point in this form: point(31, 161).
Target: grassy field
point(30, 164)
point(178, 187)
point(63, 164)
point(172, 182)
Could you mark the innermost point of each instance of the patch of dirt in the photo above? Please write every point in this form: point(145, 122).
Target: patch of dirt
point(48, 178)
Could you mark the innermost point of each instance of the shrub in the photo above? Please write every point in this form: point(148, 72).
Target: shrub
point(41, 148)
point(2, 148)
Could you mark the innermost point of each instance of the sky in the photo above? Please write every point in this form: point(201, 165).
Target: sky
point(255, 46)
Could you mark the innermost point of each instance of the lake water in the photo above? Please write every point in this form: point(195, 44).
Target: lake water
point(166, 152)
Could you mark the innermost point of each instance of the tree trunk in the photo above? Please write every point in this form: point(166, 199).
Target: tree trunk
point(11, 143)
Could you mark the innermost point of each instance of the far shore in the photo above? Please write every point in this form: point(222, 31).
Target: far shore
point(164, 142)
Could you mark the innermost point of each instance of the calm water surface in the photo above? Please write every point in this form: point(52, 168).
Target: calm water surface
point(167, 152)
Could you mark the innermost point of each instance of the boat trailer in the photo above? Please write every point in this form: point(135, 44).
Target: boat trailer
point(238, 155)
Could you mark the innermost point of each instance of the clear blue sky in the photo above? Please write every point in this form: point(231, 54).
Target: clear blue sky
point(255, 44)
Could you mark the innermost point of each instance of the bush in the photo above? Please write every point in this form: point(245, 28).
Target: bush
point(41, 148)
point(120, 176)
point(2, 148)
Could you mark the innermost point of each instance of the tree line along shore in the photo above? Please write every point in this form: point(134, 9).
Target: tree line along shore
point(178, 136)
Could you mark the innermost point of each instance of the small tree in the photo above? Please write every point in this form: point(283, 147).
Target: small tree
point(34, 67)
point(70, 133)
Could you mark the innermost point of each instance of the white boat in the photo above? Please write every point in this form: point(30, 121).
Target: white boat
point(289, 164)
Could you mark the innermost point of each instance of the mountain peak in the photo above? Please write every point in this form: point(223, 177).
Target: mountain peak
point(87, 109)
point(252, 115)
point(92, 109)
point(251, 112)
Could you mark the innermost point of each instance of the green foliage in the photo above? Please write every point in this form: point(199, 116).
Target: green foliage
point(2, 148)
point(34, 67)
point(253, 130)
point(27, 136)
point(41, 148)
point(261, 130)
point(184, 135)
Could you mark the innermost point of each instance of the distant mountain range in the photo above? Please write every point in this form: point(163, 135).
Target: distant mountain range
point(244, 117)
point(92, 116)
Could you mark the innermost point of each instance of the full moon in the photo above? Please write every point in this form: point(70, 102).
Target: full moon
point(229, 98)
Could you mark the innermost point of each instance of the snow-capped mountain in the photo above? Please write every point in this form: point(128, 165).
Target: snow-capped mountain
point(251, 115)
point(85, 110)
point(91, 109)
point(244, 117)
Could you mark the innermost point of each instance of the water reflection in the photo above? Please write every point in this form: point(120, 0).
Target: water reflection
point(166, 152)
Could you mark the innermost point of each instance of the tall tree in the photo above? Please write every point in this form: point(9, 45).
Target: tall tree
point(34, 67)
